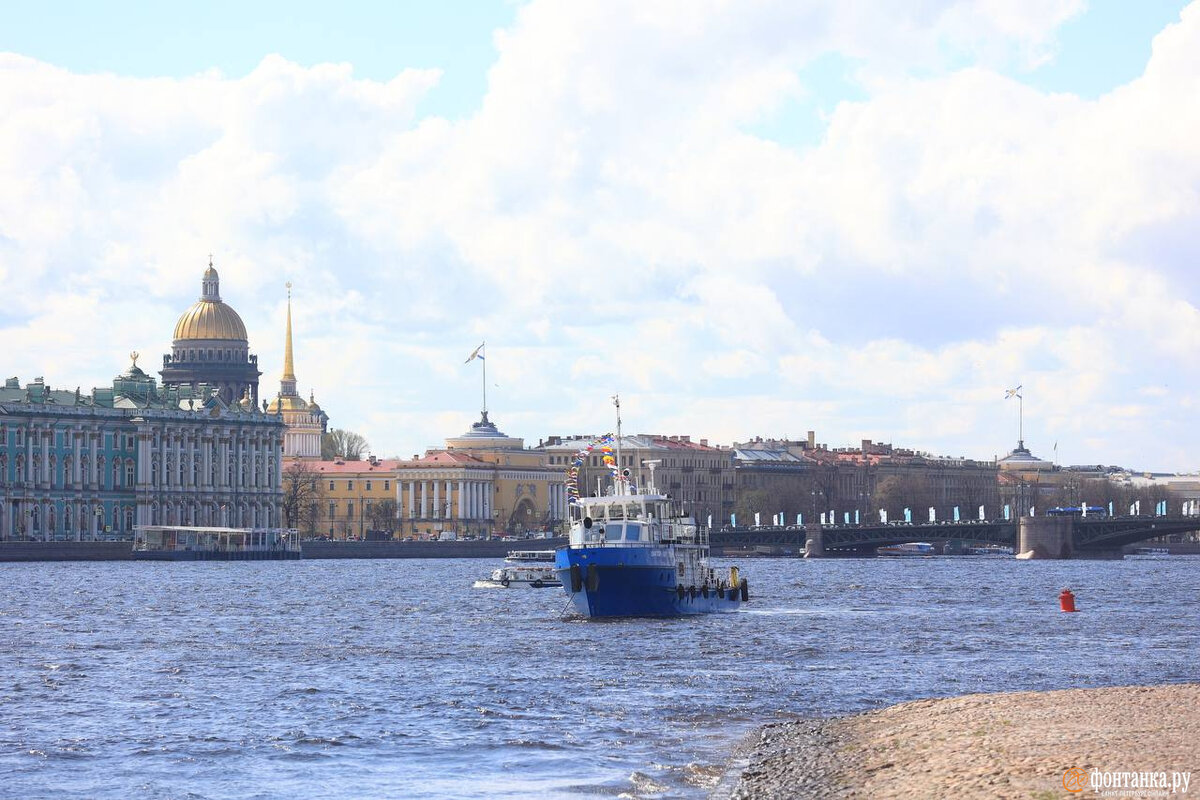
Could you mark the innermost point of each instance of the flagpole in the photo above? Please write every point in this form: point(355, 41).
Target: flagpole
point(484, 360)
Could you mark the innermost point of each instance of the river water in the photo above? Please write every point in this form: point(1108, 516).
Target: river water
point(359, 679)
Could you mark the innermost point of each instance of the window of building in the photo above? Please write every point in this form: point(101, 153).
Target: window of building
point(350, 485)
point(387, 485)
point(368, 486)
point(331, 489)
point(332, 512)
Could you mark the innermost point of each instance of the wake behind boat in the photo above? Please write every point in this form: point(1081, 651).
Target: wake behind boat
point(634, 554)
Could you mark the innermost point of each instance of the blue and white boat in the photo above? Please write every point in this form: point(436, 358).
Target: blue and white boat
point(635, 554)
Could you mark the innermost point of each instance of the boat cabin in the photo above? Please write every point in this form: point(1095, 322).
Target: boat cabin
point(630, 519)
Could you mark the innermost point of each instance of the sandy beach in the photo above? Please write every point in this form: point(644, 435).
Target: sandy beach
point(1012, 745)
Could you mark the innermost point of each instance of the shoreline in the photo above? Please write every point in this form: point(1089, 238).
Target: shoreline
point(1004, 745)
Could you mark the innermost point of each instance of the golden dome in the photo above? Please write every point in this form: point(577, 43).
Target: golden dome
point(209, 319)
point(286, 403)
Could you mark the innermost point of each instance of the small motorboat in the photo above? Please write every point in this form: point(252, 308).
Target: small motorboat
point(533, 568)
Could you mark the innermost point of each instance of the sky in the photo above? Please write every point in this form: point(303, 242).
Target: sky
point(748, 219)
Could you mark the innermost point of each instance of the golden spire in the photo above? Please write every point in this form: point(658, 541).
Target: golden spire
point(289, 369)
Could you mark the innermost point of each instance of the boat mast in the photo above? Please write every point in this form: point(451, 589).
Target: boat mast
point(620, 479)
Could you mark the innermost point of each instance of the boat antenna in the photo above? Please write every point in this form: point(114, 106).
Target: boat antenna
point(622, 483)
point(653, 487)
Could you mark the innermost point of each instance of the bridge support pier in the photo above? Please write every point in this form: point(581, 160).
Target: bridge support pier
point(814, 541)
point(1046, 537)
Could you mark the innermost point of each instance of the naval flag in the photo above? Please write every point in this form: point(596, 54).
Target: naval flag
point(478, 353)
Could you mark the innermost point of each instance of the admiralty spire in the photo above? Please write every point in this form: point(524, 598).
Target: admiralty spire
point(305, 420)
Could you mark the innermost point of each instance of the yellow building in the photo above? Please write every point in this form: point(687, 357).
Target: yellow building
point(483, 483)
point(356, 497)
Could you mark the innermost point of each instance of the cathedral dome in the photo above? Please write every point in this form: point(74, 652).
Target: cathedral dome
point(209, 318)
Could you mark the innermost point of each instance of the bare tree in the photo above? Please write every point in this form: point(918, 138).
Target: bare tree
point(347, 445)
point(303, 491)
point(382, 515)
point(748, 502)
point(897, 492)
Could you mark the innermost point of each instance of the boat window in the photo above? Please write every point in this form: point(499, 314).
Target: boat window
point(633, 533)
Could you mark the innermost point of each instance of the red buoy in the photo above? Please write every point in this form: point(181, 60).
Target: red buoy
point(1066, 600)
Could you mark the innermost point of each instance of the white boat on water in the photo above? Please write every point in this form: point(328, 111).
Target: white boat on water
point(533, 568)
point(988, 550)
point(906, 549)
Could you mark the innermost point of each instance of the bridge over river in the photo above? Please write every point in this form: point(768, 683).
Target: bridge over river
point(1047, 537)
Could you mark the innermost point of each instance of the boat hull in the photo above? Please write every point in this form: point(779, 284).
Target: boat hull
point(635, 582)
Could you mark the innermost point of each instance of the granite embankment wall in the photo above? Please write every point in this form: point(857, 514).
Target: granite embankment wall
point(122, 551)
point(411, 549)
point(66, 551)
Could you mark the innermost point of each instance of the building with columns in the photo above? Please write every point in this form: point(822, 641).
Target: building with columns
point(80, 467)
point(482, 483)
point(306, 422)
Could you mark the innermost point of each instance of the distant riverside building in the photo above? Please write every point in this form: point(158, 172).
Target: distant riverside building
point(75, 466)
point(810, 479)
point(210, 347)
point(1026, 481)
point(482, 483)
point(305, 420)
point(353, 494)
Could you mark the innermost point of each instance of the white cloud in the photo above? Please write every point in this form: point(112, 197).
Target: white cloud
point(606, 224)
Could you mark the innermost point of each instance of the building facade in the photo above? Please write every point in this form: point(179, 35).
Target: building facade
point(483, 483)
point(357, 497)
point(80, 467)
point(808, 481)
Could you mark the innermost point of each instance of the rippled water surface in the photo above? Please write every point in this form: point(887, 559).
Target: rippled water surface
point(354, 679)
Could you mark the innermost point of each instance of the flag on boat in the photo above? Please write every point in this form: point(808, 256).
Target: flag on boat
point(478, 353)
